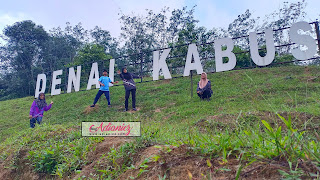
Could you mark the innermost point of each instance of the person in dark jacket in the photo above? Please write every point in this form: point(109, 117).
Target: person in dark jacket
point(129, 86)
point(204, 87)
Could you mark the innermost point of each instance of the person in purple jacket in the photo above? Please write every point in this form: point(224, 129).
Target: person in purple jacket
point(37, 108)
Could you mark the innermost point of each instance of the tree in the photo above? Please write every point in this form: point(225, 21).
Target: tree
point(61, 48)
point(179, 20)
point(243, 58)
point(155, 31)
point(285, 16)
point(103, 38)
point(88, 54)
point(25, 46)
point(91, 53)
point(241, 27)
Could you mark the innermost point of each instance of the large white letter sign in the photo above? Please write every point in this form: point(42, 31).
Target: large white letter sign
point(302, 39)
point(196, 65)
point(160, 63)
point(55, 82)
point(269, 57)
point(219, 54)
point(111, 71)
point(94, 72)
point(40, 77)
point(73, 79)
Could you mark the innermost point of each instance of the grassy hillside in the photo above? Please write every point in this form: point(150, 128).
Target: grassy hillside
point(226, 132)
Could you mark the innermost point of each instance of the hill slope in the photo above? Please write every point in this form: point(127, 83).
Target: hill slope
point(224, 137)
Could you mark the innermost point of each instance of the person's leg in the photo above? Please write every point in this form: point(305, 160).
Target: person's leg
point(97, 97)
point(39, 119)
point(107, 94)
point(206, 94)
point(201, 95)
point(127, 99)
point(32, 122)
point(133, 93)
point(209, 94)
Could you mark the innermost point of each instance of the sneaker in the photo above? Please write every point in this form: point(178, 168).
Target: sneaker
point(92, 105)
point(134, 109)
point(125, 110)
point(109, 105)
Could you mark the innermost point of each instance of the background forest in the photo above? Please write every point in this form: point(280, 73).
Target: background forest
point(28, 49)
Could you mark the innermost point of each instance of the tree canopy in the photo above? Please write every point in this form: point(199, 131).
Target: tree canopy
point(30, 50)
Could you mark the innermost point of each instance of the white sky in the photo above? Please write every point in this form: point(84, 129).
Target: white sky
point(104, 13)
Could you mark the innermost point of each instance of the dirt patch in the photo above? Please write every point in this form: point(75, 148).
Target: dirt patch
point(160, 161)
point(309, 79)
point(307, 70)
point(169, 115)
point(5, 173)
point(163, 108)
point(23, 170)
point(236, 75)
point(132, 111)
point(89, 109)
point(203, 124)
point(89, 170)
point(219, 121)
point(157, 162)
point(164, 81)
point(222, 118)
point(22, 167)
point(63, 132)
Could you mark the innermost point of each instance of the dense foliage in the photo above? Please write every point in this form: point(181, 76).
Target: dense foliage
point(30, 50)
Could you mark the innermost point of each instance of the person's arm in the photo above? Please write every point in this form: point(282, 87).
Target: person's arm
point(113, 82)
point(199, 89)
point(32, 109)
point(120, 74)
point(100, 82)
point(208, 86)
point(135, 76)
point(46, 108)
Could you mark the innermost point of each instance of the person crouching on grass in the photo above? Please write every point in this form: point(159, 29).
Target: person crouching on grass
point(37, 108)
point(204, 90)
point(104, 88)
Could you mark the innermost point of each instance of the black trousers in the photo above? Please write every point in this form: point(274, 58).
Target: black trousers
point(106, 93)
point(133, 94)
point(205, 94)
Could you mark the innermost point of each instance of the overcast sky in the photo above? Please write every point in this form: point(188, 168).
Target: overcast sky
point(104, 13)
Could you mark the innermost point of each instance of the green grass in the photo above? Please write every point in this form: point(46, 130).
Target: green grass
point(239, 98)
